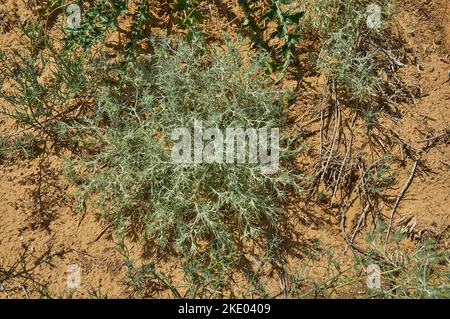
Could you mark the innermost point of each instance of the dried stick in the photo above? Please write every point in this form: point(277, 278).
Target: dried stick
point(25, 291)
point(341, 169)
point(336, 134)
point(397, 202)
point(101, 233)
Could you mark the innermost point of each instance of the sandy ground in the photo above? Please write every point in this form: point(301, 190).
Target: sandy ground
point(42, 235)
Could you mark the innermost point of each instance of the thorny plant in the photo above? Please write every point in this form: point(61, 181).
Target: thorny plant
point(199, 212)
point(99, 17)
point(96, 18)
point(188, 16)
point(280, 41)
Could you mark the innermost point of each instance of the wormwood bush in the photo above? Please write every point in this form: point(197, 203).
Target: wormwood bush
point(190, 209)
point(345, 52)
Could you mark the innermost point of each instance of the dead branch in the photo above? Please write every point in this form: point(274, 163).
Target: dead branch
point(397, 202)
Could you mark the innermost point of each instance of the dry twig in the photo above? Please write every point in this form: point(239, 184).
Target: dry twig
point(397, 202)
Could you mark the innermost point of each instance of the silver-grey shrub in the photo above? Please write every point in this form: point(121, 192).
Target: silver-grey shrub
point(188, 209)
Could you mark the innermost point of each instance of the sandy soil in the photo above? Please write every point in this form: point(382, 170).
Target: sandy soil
point(41, 234)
